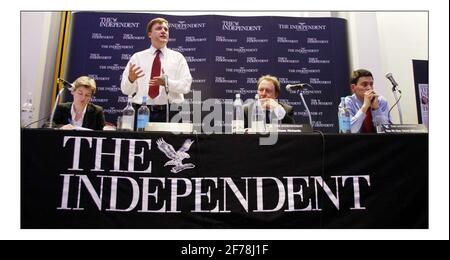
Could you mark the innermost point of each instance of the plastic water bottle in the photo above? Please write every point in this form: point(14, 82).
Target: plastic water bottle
point(238, 115)
point(143, 115)
point(344, 117)
point(27, 112)
point(258, 116)
point(128, 116)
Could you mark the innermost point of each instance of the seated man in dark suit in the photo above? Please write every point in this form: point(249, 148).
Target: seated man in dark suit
point(268, 91)
point(80, 112)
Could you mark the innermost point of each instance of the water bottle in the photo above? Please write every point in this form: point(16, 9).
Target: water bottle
point(27, 112)
point(344, 117)
point(143, 115)
point(238, 115)
point(128, 116)
point(258, 116)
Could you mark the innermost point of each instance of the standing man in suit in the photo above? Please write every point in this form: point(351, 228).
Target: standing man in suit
point(268, 91)
point(80, 112)
point(148, 71)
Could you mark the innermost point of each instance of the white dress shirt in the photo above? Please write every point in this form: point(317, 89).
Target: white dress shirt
point(78, 123)
point(379, 116)
point(173, 64)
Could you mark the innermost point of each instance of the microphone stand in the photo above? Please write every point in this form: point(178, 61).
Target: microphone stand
point(397, 102)
point(307, 109)
point(306, 106)
point(54, 108)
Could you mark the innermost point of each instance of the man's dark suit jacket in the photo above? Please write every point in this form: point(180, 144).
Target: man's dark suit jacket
point(93, 119)
point(288, 118)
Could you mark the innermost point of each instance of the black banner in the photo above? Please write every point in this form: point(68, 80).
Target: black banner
point(78, 179)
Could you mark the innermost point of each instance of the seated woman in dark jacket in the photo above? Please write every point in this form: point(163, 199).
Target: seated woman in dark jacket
point(80, 112)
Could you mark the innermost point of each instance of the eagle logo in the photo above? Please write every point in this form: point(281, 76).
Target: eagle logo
point(176, 156)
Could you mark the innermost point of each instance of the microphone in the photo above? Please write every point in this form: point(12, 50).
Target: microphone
point(292, 87)
point(69, 86)
point(394, 90)
point(392, 80)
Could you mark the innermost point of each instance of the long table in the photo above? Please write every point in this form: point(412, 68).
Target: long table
point(107, 179)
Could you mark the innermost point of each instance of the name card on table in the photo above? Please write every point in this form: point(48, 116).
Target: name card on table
point(405, 128)
point(169, 127)
point(286, 128)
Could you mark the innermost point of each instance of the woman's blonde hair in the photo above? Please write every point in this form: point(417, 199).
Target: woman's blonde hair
point(87, 82)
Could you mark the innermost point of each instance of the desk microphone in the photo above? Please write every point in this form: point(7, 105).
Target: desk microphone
point(292, 87)
point(392, 80)
point(397, 100)
point(69, 86)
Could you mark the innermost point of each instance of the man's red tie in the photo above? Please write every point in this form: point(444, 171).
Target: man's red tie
point(153, 91)
point(367, 126)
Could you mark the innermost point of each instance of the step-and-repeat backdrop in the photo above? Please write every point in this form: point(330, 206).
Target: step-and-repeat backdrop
point(226, 55)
